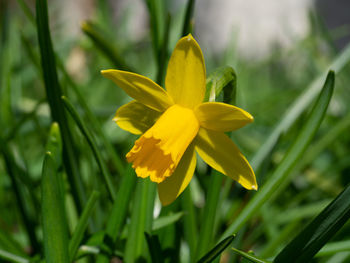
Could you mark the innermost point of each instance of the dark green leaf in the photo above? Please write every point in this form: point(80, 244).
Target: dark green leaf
point(55, 228)
point(78, 233)
point(188, 23)
point(224, 80)
point(217, 250)
point(316, 234)
point(54, 93)
point(249, 257)
point(154, 248)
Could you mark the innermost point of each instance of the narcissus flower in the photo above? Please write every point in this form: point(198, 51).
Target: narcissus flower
point(175, 124)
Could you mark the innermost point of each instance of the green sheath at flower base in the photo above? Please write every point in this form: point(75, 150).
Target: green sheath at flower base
point(176, 123)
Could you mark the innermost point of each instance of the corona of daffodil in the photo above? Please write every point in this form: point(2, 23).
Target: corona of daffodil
point(175, 124)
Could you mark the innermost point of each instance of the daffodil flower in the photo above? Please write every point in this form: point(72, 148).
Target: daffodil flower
point(175, 124)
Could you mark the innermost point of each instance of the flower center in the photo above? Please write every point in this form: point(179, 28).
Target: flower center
point(159, 150)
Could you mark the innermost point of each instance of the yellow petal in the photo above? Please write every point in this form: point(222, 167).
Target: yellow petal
point(223, 117)
point(217, 150)
point(159, 150)
point(142, 89)
point(185, 77)
point(135, 117)
point(174, 185)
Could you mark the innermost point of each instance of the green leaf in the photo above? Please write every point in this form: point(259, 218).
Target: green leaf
point(205, 238)
point(120, 207)
point(91, 141)
point(140, 221)
point(55, 228)
point(13, 171)
point(10, 257)
point(105, 45)
point(298, 107)
point(188, 20)
point(248, 256)
point(333, 248)
point(154, 248)
point(164, 221)
point(224, 80)
point(54, 93)
point(316, 234)
point(189, 221)
point(282, 173)
point(216, 251)
point(78, 233)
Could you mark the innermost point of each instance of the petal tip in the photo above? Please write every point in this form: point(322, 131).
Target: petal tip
point(254, 187)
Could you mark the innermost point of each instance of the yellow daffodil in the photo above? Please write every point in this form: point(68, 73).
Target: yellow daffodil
point(175, 123)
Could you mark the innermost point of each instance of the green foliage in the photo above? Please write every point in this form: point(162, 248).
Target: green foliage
point(68, 195)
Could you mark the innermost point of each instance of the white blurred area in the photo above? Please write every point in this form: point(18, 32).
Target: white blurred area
point(253, 26)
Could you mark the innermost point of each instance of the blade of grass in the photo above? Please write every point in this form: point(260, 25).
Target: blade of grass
point(121, 204)
point(333, 248)
point(217, 250)
point(206, 229)
point(54, 93)
point(120, 207)
point(13, 170)
point(164, 221)
point(295, 152)
point(190, 223)
point(10, 257)
point(104, 45)
point(10, 245)
point(155, 248)
point(26, 11)
point(223, 79)
point(55, 228)
point(91, 141)
point(157, 16)
point(248, 256)
point(297, 108)
point(188, 23)
point(135, 241)
point(78, 233)
point(316, 234)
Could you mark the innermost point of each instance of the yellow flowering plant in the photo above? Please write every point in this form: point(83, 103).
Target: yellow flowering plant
point(175, 124)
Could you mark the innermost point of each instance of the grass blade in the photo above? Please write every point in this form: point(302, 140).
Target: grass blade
point(78, 233)
point(54, 93)
point(297, 108)
point(334, 247)
point(91, 141)
point(138, 224)
point(248, 256)
point(103, 44)
point(55, 228)
point(216, 251)
point(188, 23)
point(13, 170)
point(223, 79)
point(310, 240)
point(10, 257)
point(154, 248)
point(189, 219)
point(206, 230)
point(295, 152)
point(120, 208)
